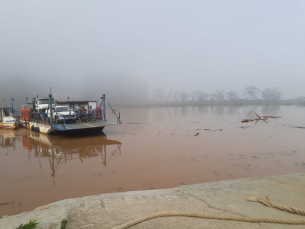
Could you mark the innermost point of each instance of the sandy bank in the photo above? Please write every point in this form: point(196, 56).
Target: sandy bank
point(224, 197)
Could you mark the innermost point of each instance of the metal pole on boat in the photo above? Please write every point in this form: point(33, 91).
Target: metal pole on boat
point(69, 106)
point(104, 107)
point(12, 110)
point(51, 113)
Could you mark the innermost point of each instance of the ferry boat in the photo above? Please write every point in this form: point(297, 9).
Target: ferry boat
point(44, 117)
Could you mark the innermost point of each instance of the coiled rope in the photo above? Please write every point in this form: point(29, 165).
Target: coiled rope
point(265, 201)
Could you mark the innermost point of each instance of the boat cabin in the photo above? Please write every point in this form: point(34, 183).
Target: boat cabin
point(5, 112)
point(7, 119)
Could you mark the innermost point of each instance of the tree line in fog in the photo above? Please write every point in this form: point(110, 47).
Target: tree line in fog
point(130, 90)
point(251, 94)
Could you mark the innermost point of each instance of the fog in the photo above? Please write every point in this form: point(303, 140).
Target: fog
point(126, 49)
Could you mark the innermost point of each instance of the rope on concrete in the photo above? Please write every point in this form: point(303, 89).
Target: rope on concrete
point(282, 207)
point(228, 217)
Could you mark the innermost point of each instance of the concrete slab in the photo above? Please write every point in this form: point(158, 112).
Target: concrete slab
point(224, 197)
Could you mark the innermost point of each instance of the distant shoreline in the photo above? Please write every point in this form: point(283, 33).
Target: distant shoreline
point(206, 103)
point(220, 103)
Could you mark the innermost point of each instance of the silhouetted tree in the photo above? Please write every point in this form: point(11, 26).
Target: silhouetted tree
point(194, 95)
point(271, 94)
point(202, 96)
point(213, 97)
point(199, 96)
point(251, 92)
point(169, 95)
point(158, 94)
point(300, 99)
point(219, 95)
point(231, 95)
point(184, 96)
point(176, 96)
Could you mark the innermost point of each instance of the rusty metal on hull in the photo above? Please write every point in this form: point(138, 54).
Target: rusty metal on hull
point(39, 127)
point(9, 125)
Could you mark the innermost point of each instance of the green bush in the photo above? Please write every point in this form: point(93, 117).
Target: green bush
point(63, 224)
point(31, 225)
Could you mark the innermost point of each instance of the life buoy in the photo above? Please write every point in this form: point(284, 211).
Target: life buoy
point(22, 113)
point(98, 113)
point(27, 114)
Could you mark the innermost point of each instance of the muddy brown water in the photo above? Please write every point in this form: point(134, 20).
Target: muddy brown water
point(154, 148)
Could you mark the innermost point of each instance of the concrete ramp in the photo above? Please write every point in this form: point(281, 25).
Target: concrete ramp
point(223, 197)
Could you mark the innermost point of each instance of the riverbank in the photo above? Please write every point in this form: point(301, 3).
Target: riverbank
point(223, 197)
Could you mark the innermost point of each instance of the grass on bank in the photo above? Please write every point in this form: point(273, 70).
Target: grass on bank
point(31, 225)
point(63, 224)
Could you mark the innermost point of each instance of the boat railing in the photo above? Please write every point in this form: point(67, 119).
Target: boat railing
point(89, 115)
point(17, 115)
point(42, 117)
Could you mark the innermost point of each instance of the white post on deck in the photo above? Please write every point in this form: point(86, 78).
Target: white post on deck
point(51, 109)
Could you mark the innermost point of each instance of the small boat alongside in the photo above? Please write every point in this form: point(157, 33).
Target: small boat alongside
point(7, 119)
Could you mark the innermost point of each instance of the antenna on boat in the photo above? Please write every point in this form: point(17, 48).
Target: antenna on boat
point(69, 106)
point(103, 103)
point(51, 106)
point(12, 106)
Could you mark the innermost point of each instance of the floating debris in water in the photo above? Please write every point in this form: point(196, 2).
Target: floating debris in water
point(260, 118)
point(6, 203)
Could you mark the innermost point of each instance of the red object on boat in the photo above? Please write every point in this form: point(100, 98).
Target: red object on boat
point(22, 113)
point(27, 114)
point(99, 113)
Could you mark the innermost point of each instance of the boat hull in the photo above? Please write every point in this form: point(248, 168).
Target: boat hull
point(69, 128)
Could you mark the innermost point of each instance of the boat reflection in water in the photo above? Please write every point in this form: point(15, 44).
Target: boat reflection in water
point(7, 138)
point(37, 169)
point(62, 149)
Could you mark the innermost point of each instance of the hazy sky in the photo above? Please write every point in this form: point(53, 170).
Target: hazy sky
point(77, 47)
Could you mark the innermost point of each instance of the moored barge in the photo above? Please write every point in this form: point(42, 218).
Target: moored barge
point(7, 119)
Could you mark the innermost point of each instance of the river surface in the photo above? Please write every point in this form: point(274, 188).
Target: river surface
point(154, 148)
